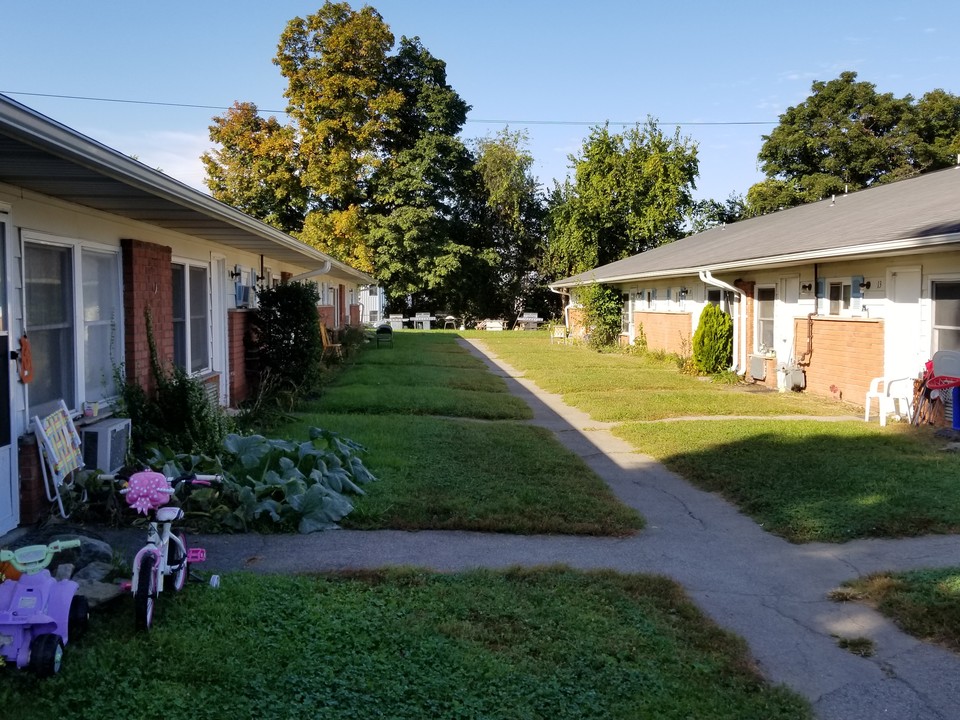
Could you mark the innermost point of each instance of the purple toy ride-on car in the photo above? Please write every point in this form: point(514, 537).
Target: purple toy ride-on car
point(38, 614)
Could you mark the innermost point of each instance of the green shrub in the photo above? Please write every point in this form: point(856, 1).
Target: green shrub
point(286, 334)
point(602, 308)
point(713, 341)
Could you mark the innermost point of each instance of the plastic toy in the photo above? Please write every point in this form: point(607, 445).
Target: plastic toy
point(38, 614)
point(165, 553)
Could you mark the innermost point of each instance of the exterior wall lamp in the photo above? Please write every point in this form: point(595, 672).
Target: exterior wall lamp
point(865, 285)
point(806, 287)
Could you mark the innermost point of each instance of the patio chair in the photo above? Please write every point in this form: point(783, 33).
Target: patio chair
point(889, 394)
point(559, 334)
point(329, 347)
point(384, 335)
point(60, 452)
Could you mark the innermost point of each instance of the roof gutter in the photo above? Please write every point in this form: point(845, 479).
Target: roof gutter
point(739, 364)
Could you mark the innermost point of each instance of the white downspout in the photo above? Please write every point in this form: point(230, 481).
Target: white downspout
point(566, 307)
point(739, 333)
point(322, 270)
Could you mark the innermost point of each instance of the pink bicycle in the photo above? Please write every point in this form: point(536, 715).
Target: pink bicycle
point(165, 554)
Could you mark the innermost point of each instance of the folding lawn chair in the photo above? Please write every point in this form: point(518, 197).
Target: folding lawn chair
point(60, 453)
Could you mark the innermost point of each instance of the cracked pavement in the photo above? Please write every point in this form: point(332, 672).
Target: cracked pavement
point(768, 591)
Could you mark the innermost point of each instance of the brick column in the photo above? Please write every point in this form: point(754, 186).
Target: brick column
point(239, 384)
point(147, 286)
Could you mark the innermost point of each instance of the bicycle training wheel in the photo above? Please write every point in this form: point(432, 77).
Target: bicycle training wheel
point(177, 561)
point(145, 594)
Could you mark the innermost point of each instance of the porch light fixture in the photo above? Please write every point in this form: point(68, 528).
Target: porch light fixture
point(683, 293)
point(235, 273)
point(806, 287)
point(865, 285)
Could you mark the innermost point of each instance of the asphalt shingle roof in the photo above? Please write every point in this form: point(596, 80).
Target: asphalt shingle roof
point(920, 208)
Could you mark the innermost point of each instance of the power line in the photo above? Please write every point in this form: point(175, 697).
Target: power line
point(578, 123)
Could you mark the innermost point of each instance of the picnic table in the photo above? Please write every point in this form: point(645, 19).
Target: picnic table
point(397, 321)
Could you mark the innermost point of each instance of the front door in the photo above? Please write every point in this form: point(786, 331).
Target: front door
point(9, 471)
point(904, 350)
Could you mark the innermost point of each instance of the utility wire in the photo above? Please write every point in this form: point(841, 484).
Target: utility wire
point(583, 123)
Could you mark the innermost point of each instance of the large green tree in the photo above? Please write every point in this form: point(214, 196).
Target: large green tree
point(254, 167)
point(340, 100)
point(513, 220)
point(847, 136)
point(630, 192)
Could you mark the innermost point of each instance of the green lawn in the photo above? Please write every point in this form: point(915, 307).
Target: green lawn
point(547, 643)
point(438, 473)
point(805, 480)
point(924, 603)
point(615, 387)
point(442, 437)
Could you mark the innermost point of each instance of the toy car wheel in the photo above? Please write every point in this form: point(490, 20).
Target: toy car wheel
point(177, 562)
point(79, 617)
point(46, 654)
point(145, 594)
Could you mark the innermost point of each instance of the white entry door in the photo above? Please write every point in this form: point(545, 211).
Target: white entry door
point(904, 349)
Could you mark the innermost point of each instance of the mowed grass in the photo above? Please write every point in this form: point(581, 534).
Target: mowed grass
point(442, 437)
point(444, 474)
point(615, 387)
point(422, 373)
point(541, 643)
point(813, 480)
point(924, 603)
point(806, 480)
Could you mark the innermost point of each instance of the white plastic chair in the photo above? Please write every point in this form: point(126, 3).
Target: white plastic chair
point(889, 393)
point(60, 453)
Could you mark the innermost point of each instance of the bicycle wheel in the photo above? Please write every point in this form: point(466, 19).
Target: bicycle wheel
point(177, 561)
point(145, 595)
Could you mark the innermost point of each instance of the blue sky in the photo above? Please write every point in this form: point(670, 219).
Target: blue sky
point(566, 65)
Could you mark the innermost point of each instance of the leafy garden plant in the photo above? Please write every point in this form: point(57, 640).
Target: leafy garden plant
point(271, 484)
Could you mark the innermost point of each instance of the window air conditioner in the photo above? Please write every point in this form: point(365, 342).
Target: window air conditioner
point(105, 444)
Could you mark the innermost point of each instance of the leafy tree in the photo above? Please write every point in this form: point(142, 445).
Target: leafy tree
point(705, 214)
point(514, 210)
point(630, 193)
point(847, 136)
point(343, 107)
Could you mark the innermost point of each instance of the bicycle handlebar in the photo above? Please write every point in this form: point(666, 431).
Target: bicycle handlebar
point(34, 558)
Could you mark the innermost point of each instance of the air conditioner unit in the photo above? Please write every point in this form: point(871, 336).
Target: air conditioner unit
point(105, 444)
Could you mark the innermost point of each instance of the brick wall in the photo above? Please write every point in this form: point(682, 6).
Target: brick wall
point(665, 331)
point(354, 315)
point(34, 505)
point(575, 317)
point(327, 315)
point(148, 285)
point(847, 354)
point(239, 384)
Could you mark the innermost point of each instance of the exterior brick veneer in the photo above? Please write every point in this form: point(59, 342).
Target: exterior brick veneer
point(148, 285)
point(238, 324)
point(34, 505)
point(665, 330)
point(847, 354)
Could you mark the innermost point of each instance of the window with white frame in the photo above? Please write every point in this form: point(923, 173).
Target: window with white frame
point(625, 313)
point(765, 300)
point(72, 317)
point(191, 317)
point(946, 315)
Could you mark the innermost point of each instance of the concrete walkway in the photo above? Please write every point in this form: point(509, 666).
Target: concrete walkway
point(761, 587)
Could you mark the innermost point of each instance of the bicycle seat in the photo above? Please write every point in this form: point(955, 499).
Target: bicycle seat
point(169, 514)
